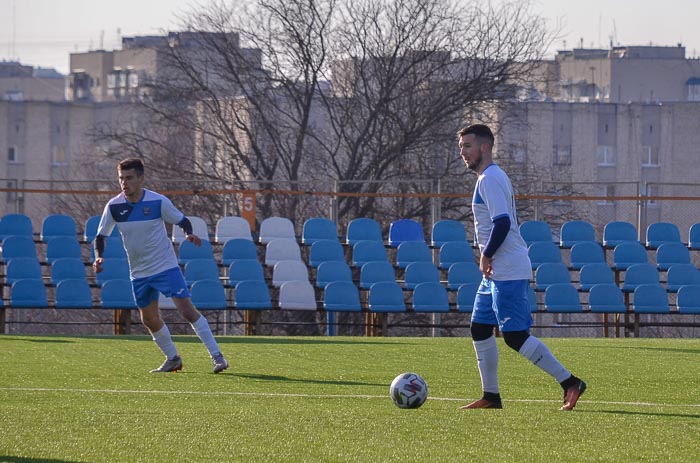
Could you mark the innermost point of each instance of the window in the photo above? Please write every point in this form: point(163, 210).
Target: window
point(519, 155)
point(607, 191)
point(652, 190)
point(58, 157)
point(650, 156)
point(562, 155)
point(606, 155)
point(133, 80)
point(12, 155)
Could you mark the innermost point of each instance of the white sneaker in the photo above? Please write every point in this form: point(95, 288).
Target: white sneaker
point(220, 363)
point(169, 365)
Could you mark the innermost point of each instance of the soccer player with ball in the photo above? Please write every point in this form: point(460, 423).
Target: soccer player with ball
point(140, 216)
point(501, 299)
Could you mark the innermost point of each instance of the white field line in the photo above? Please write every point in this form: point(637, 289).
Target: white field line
point(313, 396)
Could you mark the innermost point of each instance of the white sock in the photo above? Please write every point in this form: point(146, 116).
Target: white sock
point(201, 328)
point(534, 350)
point(487, 360)
point(164, 341)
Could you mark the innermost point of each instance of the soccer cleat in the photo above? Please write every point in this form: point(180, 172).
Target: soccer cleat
point(220, 363)
point(572, 394)
point(482, 403)
point(169, 365)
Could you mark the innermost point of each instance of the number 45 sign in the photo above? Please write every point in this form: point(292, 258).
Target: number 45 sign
point(248, 208)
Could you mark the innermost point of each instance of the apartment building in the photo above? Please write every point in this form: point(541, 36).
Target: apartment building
point(26, 83)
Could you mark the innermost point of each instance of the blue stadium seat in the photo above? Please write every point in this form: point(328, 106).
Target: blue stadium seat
point(28, 293)
point(447, 231)
point(688, 300)
point(273, 228)
point(466, 294)
point(364, 251)
point(386, 296)
point(672, 253)
point(586, 252)
point(58, 225)
point(662, 232)
point(63, 246)
point(562, 298)
point(618, 232)
point(543, 251)
point(67, 269)
point(640, 274)
point(208, 295)
point(403, 230)
point(289, 270)
point(551, 273)
point(281, 249)
point(201, 269)
point(626, 254)
point(238, 248)
point(245, 269)
point(363, 228)
point(117, 294)
point(332, 271)
point(318, 228)
point(412, 251)
point(650, 298)
point(297, 295)
point(373, 272)
point(252, 294)
point(594, 274)
point(420, 272)
point(694, 236)
point(606, 298)
point(455, 251)
point(463, 272)
point(18, 246)
point(682, 275)
point(232, 227)
point(341, 296)
point(16, 225)
point(534, 231)
point(73, 294)
point(430, 297)
point(113, 269)
point(188, 251)
point(576, 231)
point(21, 268)
point(326, 251)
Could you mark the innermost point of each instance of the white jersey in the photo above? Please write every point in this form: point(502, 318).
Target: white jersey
point(494, 198)
point(142, 227)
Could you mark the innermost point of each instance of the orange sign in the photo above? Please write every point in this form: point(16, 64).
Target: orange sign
point(248, 209)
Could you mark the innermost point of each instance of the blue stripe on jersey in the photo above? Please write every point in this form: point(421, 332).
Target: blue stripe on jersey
point(477, 199)
point(500, 216)
point(143, 210)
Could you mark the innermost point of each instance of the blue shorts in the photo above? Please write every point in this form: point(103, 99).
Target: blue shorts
point(170, 282)
point(503, 303)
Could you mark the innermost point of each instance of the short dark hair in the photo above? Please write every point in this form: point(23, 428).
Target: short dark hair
point(479, 130)
point(132, 163)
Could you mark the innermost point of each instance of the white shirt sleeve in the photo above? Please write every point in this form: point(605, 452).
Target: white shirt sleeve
point(169, 212)
point(495, 196)
point(107, 222)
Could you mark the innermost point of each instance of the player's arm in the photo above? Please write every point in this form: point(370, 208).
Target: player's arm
point(99, 245)
point(186, 226)
point(499, 232)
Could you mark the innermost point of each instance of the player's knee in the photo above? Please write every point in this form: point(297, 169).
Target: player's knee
point(515, 339)
point(481, 331)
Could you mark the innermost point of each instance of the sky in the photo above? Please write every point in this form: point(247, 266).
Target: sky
point(43, 33)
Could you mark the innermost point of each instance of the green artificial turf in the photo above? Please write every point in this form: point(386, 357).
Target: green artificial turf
point(87, 399)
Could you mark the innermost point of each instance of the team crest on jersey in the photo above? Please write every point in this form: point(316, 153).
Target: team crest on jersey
point(146, 211)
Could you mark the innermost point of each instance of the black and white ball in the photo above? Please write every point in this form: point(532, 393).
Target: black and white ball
point(408, 390)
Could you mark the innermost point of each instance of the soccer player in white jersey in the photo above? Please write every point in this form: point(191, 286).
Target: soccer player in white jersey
point(140, 216)
point(501, 299)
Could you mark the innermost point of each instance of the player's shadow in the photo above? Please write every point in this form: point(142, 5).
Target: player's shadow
point(9, 459)
point(627, 412)
point(277, 378)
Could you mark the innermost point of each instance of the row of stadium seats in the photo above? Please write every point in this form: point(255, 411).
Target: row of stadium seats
point(230, 227)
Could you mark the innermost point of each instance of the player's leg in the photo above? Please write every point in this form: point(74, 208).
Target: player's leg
point(172, 284)
point(483, 323)
point(515, 319)
point(147, 301)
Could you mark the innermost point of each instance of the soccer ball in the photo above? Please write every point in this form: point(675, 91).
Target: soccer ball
point(408, 390)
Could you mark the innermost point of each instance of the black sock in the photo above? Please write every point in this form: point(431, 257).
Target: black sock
point(492, 397)
point(570, 381)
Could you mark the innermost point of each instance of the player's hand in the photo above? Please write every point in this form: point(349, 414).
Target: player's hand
point(194, 239)
point(485, 266)
point(97, 265)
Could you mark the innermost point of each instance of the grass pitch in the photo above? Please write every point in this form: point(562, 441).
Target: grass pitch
point(66, 399)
